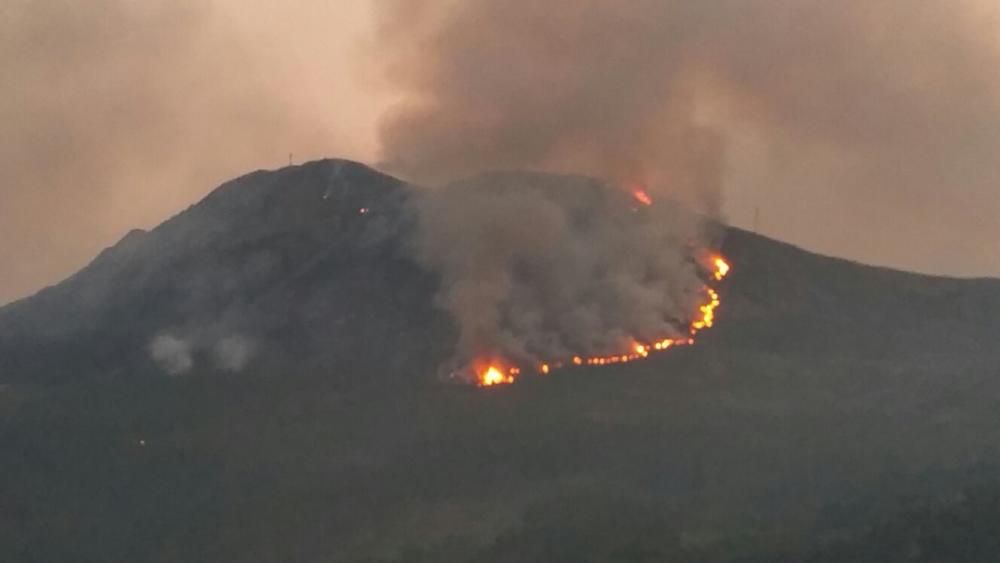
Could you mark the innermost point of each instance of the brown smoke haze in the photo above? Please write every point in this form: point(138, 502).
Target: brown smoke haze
point(860, 127)
point(118, 113)
point(864, 128)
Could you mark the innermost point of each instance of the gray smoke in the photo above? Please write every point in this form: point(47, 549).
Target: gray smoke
point(881, 89)
point(176, 355)
point(172, 354)
point(233, 353)
point(542, 267)
point(536, 268)
point(595, 87)
point(883, 107)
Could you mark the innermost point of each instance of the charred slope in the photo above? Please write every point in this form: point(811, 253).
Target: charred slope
point(308, 265)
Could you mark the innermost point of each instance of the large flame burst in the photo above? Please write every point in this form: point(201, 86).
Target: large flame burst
point(493, 372)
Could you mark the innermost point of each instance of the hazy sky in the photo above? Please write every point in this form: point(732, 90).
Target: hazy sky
point(866, 129)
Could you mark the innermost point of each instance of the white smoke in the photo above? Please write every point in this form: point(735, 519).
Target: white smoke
point(233, 353)
point(176, 355)
point(172, 354)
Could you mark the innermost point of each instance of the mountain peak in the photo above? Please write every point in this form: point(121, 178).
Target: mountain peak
point(309, 270)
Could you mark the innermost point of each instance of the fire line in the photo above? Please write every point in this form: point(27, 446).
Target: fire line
point(492, 374)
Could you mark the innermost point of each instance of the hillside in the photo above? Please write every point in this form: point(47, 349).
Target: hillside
point(310, 265)
point(283, 260)
point(828, 391)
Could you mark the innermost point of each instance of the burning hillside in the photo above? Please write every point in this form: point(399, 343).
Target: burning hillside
point(490, 373)
point(543, 271)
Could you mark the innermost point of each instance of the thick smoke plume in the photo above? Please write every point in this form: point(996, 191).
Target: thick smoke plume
point(596, 87)
point(176, 355)
point(885, 114)
point(870, 107)
point(539, 267)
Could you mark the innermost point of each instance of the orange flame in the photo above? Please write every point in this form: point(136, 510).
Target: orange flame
point(721, 268)
point(496, 376)
point(642, 197)
point(493, 375)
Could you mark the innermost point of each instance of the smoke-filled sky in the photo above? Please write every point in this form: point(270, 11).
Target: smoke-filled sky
point(862, 128)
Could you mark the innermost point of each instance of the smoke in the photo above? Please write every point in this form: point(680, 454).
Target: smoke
point(177, 355)
point(880, 113)
point(883, 114)
point(591, 87)
point(540, 267)
point(172, 354)
point(117, 113)
point(233, 353)
point(872, 108)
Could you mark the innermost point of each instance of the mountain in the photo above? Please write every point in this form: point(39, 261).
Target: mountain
point(306, 266)
point(309, 267)
point(827, 391)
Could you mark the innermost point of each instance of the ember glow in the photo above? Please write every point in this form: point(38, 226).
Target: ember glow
point(641, 196)
point(494, 374)
point(721, 268)
point(490, 375)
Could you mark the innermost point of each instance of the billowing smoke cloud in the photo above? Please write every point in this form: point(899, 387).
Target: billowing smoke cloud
point(537, 267)
point(867, 107)
point(594, 87)
point(172, 354)
point(885, 114)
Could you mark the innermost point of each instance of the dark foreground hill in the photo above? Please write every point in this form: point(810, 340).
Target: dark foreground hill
point(827, 392)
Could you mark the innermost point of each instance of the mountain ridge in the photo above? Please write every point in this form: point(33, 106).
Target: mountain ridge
point(825, 392)
point(292, 259)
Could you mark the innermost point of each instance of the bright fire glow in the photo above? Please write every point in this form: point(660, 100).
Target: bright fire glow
point(495, 376)
point(721, 268)
point(492, 375)
point(642, 197)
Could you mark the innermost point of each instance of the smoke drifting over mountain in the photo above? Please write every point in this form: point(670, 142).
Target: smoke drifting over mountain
point(172, 354)
point(882, 112)
point(890, 104)
point(587, 88)
point(233, 353)
point(176, 355)
point(541, 267)
point(118, 113)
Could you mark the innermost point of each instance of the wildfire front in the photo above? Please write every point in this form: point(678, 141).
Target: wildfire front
point(491, 373)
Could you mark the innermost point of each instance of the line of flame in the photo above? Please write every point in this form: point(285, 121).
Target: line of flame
point(491, 374)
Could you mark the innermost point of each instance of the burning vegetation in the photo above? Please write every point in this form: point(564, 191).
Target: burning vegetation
point(542, 272)
point(489, 374)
